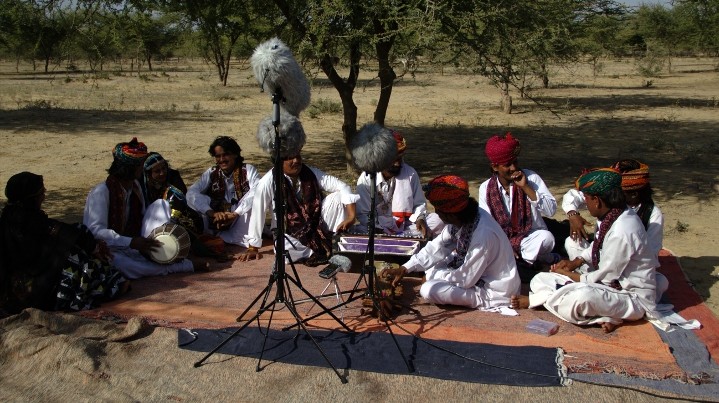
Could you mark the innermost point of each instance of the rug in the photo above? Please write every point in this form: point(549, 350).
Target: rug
point(214, 301)
point(377, 352)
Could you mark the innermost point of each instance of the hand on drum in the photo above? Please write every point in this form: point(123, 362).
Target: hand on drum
point(102, 251)
point(145, 245)
point(393, 274)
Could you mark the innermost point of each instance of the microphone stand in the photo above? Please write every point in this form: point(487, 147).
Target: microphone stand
point(368, 274)
point(279, 276)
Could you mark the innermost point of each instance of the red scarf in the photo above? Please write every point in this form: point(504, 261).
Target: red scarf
point(217, 187)
point(116, 220)
point(607, 222)
point(304, 212)
point(517, 225)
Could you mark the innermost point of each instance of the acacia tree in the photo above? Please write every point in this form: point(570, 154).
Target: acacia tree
point(351, 30)
point(504, 38)
point(221, 24)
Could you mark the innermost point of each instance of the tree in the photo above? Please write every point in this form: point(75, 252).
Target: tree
point(325, 30)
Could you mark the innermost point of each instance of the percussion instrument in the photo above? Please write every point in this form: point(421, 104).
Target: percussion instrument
point(175, 243)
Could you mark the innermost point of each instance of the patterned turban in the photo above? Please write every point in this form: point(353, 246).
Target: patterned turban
point(401, 143)
point(635, 179)
point(501, 150)
point(23, 186)
point(132, 153)
point(447, 193)
point(153, 159)
point(599, 181)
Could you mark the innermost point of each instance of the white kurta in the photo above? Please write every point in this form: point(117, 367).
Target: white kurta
point(539, 241)
point(574, 200)
point(199, 200)
point(624, 257)
point(487, 278)
point(333, 214)
point(129, 261)
point(386, 190)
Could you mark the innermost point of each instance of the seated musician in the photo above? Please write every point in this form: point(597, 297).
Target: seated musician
point(114, 213)
point(166, 203)
point(621, 283)
point(223, 194)
point(471, 263)
point(311, 218)
point(45, 263)
point(400, 205)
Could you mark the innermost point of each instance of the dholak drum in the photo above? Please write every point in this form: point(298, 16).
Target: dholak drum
point(175, 243)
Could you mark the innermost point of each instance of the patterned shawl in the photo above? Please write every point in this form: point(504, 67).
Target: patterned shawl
point(217, 187)
point(304, 212)
point(516, 225)
point(116, 219)
point(465, 236)
point(607, 222)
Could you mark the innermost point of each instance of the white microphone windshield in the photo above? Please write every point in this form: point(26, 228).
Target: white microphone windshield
point(276, 70)
point(292, 135)
point(342, 262)
point(373, 148)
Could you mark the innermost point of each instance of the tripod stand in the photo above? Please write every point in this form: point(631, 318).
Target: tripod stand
point(368, 275)
point(279, 278)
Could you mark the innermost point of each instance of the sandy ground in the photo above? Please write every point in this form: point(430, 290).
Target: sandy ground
point(63, 126)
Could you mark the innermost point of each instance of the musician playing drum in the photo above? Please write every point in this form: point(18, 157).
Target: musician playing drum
point(114, 213)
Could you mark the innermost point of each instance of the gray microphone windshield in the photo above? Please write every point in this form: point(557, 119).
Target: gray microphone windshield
point(373, 148)
point(342, 262)
point(291, 131)
point(276, 70)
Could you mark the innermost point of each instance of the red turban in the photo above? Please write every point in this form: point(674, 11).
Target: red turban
point(401, 143)
point(502, 150)
point(448, 193)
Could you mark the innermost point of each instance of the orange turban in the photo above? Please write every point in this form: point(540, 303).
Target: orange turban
point(447, 193)
point(636, 178)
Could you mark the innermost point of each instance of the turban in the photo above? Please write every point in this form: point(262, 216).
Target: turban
point(153, 159)
point(23, 186)
point(401, 143)
point(635, 179)
point(599, 181)
point(447, 193)
point(502, 150)
point(132, 153)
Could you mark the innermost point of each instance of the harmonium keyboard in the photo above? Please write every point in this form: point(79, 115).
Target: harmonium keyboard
point(389, 248)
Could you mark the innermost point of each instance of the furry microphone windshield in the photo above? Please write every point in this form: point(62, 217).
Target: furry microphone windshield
point(373, 148)
point(277, 71)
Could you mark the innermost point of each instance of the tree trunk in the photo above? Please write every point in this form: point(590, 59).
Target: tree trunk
point(386, 74)
point(545, 76)
point(506, 98)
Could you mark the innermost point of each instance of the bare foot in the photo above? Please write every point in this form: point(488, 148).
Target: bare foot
point(608, 327)
point(519, 302)
point(200, 265)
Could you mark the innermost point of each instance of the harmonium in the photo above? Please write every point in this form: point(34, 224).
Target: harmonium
point(387, 248)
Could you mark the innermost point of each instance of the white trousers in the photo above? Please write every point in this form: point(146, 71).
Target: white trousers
point(133, 265)
point(576, 248)
point(536, 243)
point(582, 303)
point(439, 291)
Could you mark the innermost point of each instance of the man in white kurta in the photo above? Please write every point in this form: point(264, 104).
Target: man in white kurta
point(334, 209)
point(234, 205)
point(509, 180)
point(475, 270)
point(621, 282)
point(126, 247)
